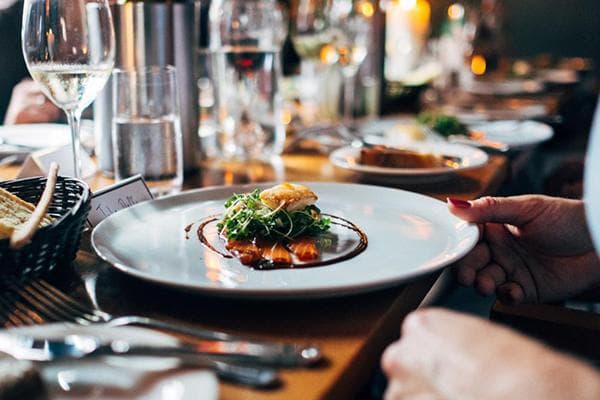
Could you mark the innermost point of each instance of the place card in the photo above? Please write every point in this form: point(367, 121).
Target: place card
point(121, 195)
point(38, 163)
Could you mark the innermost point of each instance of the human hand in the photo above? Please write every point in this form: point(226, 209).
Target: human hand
point(447, 355)
point(532, 248)
point(29, 105)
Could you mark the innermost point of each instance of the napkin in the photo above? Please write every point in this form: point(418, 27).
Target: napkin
point(114, 378)
point(38, 162)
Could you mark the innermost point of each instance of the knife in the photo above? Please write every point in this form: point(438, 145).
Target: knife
point(489, 146)
point(79, 347)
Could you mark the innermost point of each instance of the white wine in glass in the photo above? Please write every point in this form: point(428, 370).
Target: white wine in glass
point(69, 48)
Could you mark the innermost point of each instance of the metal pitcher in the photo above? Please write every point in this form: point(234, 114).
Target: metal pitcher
point(154, 33)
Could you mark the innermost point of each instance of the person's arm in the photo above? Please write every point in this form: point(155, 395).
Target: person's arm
point(29, 105)
point(447, 355)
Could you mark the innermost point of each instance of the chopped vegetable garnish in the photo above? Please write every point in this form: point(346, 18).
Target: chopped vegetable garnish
point(247, 217)
point(445, 125)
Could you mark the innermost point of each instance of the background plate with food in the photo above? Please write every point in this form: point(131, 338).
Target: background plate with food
point(425, 161)
point(408, 235)
point(495, 136)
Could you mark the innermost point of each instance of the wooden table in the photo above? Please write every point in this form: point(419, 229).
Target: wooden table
point(351, 331)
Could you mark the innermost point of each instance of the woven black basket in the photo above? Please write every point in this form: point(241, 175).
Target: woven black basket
point(53, 245)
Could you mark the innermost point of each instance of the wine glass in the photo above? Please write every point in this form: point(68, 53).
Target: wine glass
point(351, 33)
point(310, 32)
point(311, 36)
point(245, 41)
point(69, 48)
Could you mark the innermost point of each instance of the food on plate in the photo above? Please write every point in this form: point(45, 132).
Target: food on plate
point(288, 196)
point(14, 212)
point(279, 227)
point(410, 131)
point(282, 213)
point(274, 225)
point(392, 157)
point(305, 248)
point(445, 125)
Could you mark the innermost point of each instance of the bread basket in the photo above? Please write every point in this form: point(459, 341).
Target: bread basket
point(53, 245)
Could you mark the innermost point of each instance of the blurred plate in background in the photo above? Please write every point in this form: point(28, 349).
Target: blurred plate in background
point(506, 87)
point(39, 136)
point(516, 134)
point(470, 157)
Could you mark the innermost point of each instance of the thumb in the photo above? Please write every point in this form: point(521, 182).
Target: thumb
point(515, 210)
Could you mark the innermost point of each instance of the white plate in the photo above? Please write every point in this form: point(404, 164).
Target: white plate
point(559, 76)
point(347, 158)
point(409, 235)
point(113, 378)
point(516, 134)
point(505, 87)
point(39, 136)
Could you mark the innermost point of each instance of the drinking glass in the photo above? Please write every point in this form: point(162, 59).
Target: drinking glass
point(311, 34)
point(146, 127)
point(245, 43)
point(69, 48)
point(351, 34)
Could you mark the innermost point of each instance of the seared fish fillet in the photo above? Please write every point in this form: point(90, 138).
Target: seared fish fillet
point(289, 196)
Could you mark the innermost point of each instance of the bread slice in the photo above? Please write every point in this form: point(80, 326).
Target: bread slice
point(15, 211)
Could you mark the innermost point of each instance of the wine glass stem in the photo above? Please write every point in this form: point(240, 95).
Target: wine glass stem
point(349, 100)
point(74, 118)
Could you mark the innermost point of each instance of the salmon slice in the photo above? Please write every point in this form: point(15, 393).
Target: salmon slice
point(247, 252)
point(276, 253)
point(305, 249)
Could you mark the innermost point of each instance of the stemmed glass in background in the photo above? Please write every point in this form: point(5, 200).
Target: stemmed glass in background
point(351, 33)
point(245, 42)
point(69, 48)
point(310, 33)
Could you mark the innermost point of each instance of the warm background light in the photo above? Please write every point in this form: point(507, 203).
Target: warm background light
point(478, 65)
point(408, 4)
point(328, 55)
point(367, 9)
point(456, 12)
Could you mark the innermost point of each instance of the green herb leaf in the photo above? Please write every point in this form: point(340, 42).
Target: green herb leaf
point(445, 125)
point(247, 217)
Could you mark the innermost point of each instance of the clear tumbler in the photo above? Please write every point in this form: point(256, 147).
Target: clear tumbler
point(146, 128)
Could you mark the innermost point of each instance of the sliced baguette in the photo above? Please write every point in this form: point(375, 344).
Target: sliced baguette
point(15, 211)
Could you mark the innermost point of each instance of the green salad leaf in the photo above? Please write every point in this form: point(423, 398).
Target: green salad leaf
point(445, 125)
point(247, 217)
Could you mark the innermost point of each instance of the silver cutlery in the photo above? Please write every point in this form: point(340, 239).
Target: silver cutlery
point(79, 347)
point(38, 302)
point(490, 146)
point(475, 139)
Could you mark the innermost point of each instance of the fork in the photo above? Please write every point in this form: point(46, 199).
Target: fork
point(38, 301)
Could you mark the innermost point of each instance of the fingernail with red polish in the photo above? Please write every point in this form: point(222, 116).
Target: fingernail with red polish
point(458, 203)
